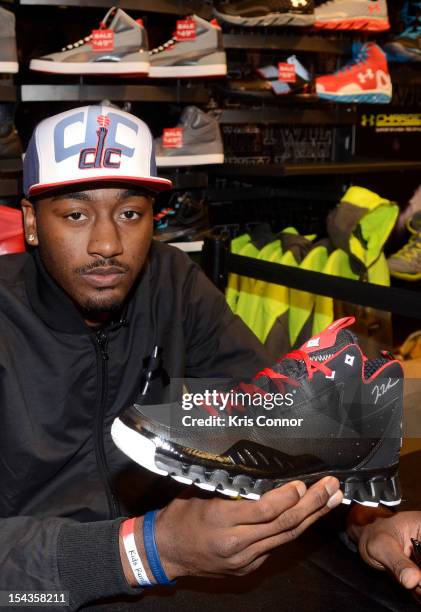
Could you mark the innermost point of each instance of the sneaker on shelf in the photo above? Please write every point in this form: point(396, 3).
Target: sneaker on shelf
point(267, 12)
point(364, 80)
point(196, 140)
point(119, 46)
point(367, 15)
point(184, 219)
point(322, 410)
point(406, 263)
point(10, 144)
point(407, 46)
point(8, 51)
point(194, 51)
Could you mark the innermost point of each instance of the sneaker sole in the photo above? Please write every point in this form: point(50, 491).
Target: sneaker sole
point(271, 19)
point(358, 23)
point(9, 67)
point(90, 67)
point(190, 160)
point(366, 487)
point(404, 276)
point(180, 72)
point(358, 98)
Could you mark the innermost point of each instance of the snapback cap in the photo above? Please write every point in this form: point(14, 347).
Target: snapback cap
point(90, 144)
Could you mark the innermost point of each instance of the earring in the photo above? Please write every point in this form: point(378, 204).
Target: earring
point(31, 237)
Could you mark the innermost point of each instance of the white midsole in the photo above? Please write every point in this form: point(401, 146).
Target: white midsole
point(134, 445)
point(9, 67)
point(355, 90)
point(190, 160)
point(90, 67)
point(175, 72)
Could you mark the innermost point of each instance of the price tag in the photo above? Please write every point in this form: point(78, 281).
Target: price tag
point(172, 138)
point(185, 30)
point(102, 40)
point(286, 73)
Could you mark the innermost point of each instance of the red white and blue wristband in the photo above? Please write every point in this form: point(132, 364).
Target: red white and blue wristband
point(133, 557)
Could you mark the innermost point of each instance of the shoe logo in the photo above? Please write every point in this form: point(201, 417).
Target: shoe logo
point(363, 77)
point(298, 3)
point(96, 131)
point(331, 376)
point(374, 7)
point(349, 360)
point(314, 342)
point(379, 390)
point(383, 79)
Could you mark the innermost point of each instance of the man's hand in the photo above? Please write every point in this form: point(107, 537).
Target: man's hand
point(386, 544)
point(219, 537)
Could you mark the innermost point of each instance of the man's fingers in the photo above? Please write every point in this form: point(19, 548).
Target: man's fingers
point(383, 549)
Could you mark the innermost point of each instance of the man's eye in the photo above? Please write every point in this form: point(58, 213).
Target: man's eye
point(130, 214)
point(76, 216)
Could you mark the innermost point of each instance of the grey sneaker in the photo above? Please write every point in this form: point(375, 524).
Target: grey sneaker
point(368, 15)
point(199, 141)
point(8, 52)
point(129, 55)
point(406, 263)
point(266, 12)
point(202, 57)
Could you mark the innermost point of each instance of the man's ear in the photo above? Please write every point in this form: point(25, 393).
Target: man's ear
point(29, 222)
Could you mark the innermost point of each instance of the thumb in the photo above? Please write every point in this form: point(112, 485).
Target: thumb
point(385, 550)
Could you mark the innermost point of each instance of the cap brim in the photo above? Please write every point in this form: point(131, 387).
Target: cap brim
point(152, 183)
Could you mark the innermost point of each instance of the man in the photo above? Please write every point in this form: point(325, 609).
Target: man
point(80, 319)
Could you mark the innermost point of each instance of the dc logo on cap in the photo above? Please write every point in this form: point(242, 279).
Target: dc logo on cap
point(99, 148)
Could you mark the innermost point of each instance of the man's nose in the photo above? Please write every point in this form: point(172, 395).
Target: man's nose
point(105, 239)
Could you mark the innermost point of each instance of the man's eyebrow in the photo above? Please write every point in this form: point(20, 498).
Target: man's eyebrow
point(129, 193)
point(82, 196)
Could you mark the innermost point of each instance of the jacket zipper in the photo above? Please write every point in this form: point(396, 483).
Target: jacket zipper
point(101, 348)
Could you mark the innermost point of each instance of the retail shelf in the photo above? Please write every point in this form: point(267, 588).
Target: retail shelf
point(7, 93)
point(282, 170)
point(133, 93)
point(195, 246)
point(10, 165)
point(10, 188)
point(406, 74)
point(173, 7)
point(317, 44)
point(187, 180)
point(290, 116)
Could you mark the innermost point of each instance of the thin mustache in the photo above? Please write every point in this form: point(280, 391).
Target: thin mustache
point(102, 265)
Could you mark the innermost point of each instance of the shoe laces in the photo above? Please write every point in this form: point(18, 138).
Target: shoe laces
point(358, 59)
point(410, 249)
point(166, 45)
point(83, 41)
point(311, 365)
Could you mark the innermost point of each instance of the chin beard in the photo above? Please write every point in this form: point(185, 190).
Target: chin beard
point(97, 307)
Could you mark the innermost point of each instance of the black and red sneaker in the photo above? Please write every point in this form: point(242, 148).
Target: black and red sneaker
point(322, 410)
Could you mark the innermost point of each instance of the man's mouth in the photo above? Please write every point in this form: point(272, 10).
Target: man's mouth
point(104, 277)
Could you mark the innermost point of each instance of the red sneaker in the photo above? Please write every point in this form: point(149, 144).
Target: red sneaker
point(365, 79)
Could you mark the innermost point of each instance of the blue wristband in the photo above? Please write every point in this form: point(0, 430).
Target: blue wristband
point(152, 550)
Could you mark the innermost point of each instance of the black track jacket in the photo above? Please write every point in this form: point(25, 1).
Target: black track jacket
point(64, 486)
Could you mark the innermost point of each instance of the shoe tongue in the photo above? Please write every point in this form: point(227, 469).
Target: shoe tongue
point(332, 339)
point(414, 224)
point(189, 115)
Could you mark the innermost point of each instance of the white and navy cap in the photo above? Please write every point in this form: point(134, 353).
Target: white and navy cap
point(90, 144)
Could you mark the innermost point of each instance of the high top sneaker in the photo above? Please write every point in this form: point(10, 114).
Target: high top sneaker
point(407, 46)
point(406, 263)
point(322, 410)
point(120, 46)
point(365, 79)
point(184, 219)
point(267, 12)
point(8, 52)
point(202, 55)
point(368, 15)
point(196, 140)
point(301, 77)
